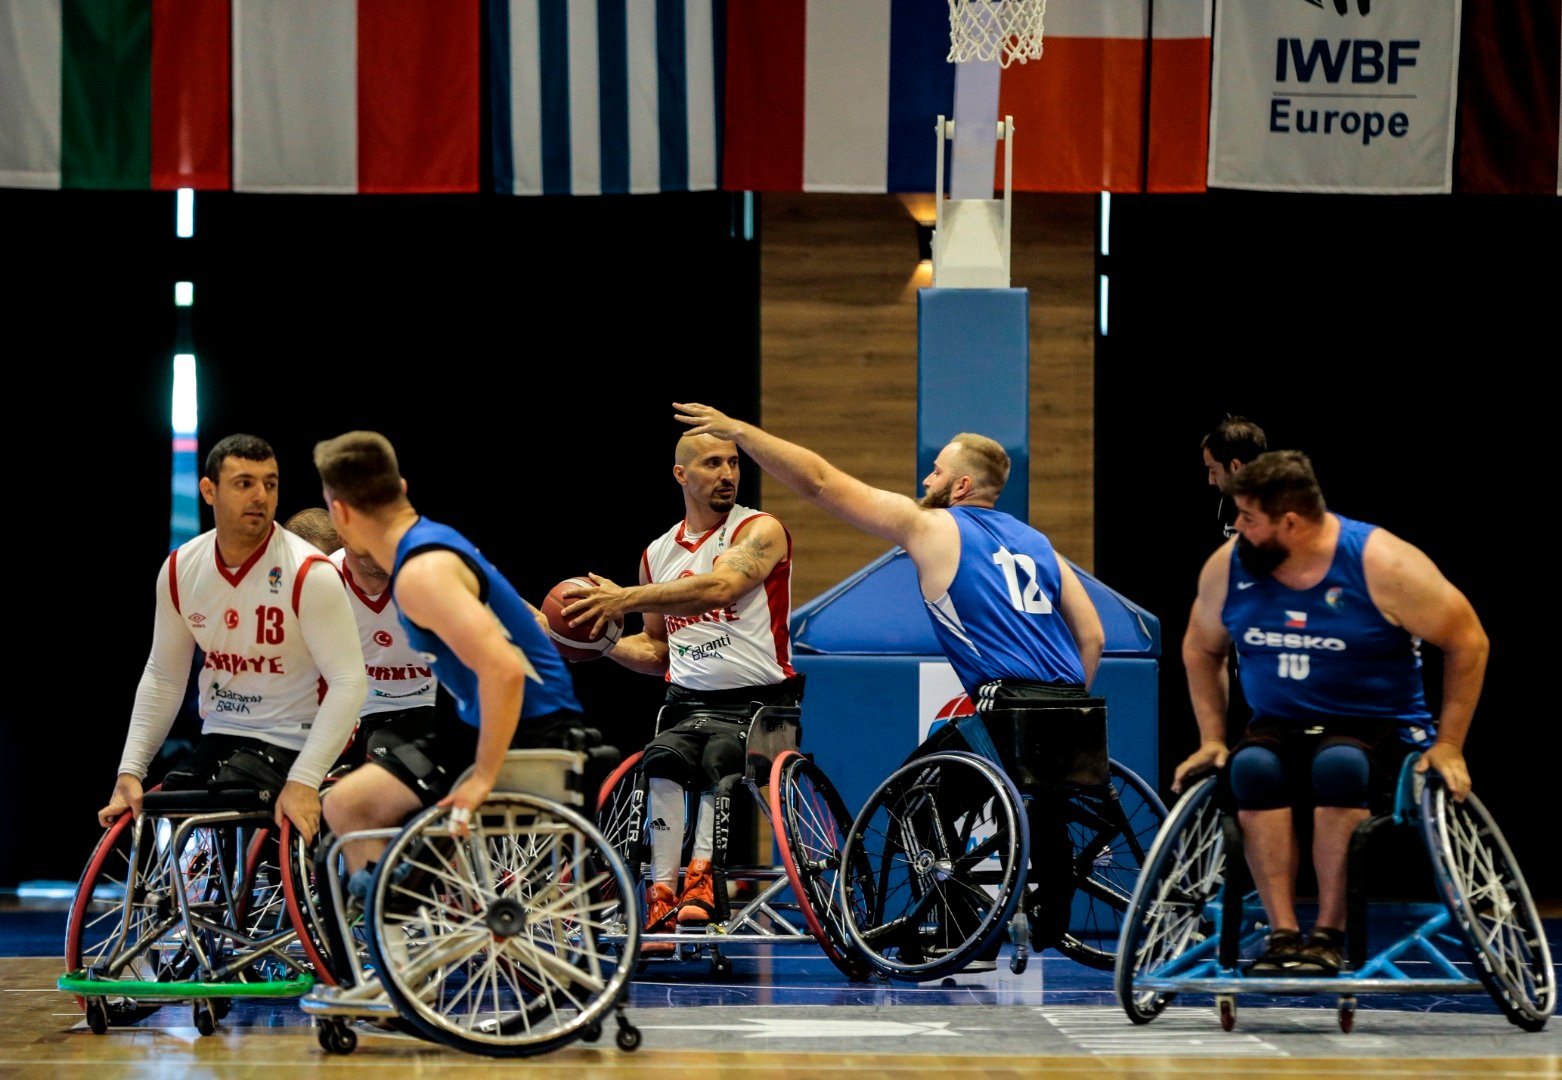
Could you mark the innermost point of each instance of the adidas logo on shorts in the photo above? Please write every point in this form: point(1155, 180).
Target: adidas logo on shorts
point(658, 824)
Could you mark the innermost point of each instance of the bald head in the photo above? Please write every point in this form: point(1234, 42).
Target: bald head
point(692, 446)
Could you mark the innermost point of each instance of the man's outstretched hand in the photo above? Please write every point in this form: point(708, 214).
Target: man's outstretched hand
point(705, 420)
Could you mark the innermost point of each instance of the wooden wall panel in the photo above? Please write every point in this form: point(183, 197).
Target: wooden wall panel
point(838, 352)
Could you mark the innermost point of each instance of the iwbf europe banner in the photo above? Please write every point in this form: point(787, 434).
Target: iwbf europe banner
point(1334, 95)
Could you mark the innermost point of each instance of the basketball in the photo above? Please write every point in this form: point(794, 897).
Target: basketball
point(572, 641)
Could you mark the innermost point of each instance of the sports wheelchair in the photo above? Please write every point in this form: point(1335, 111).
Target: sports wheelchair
point(791, 904)
point(491, 943)
point(945, 858)
point(184, 903)
point(1194, 924)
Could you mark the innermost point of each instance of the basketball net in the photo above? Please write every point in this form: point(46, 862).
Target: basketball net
point(1002, 30)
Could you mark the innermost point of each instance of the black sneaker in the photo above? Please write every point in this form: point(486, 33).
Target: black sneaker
point(1283, 954)
point(1324, 953)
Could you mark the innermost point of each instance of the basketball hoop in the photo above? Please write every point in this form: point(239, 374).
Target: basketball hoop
point(1002, 30)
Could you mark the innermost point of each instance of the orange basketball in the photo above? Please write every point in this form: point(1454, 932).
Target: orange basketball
point(574, 642)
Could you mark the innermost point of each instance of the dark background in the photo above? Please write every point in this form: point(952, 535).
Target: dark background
point(1403, 343)
point(522, 353)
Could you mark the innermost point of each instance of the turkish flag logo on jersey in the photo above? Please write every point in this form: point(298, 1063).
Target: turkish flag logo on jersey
point(230, 619)
point(382, 638)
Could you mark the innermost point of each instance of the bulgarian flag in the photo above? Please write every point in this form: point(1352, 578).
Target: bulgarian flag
point(88, 99)
point(842, 95)
point(255, 95)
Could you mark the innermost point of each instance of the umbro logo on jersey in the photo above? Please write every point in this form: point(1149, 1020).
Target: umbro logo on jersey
point(198, 618)
point(1245, 585)
point(658, 823)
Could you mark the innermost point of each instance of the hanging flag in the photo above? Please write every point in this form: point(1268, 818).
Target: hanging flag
point(116, 94)
point(1510, 72)
point(844, 95)
point(355, 95)
point(1334, 96)
point(597, 97)
point(1083, 120)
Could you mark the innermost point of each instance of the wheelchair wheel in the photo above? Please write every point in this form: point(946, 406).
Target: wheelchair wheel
point(310, 910)
point(1110, 833)
point(935, 862)
point(489, 943)
point(1485, 893)
point(811, 823)
point(125, 905)
point(1169, 913)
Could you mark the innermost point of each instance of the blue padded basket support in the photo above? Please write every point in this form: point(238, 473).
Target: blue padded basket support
point(973, 374)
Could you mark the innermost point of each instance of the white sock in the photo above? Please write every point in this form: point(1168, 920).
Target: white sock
point(666, 843)
point(705, 827)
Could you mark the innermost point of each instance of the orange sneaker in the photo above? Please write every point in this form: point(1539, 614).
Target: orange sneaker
point(660, 901)
point(697, 905)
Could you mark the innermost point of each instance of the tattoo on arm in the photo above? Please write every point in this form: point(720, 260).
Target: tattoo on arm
point(746, 559)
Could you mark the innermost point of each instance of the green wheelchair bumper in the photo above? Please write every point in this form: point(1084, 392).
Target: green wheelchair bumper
point(84, 984)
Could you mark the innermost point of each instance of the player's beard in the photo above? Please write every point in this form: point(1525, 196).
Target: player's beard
point(724, 502)
point(1260, 560)
point(936, 499)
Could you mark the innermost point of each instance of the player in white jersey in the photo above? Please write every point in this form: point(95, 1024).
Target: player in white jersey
point(716, 595)
point(282, 675)
point(402, 686)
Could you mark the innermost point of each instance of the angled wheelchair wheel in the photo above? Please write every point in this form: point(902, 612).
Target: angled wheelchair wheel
point(1486, 895)
point(117, 905)
point(1111, 832)
point(934, 865)
point(490, 943)
point(811, 823)
point(311, 912)
point(1170, 910)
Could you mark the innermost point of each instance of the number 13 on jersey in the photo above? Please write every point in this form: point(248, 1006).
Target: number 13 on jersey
point(1032, 600)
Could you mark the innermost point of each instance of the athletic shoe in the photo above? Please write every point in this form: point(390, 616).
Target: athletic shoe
point(1282, 954)
point(697, 905)
point(659, 908)
point(1324, 953)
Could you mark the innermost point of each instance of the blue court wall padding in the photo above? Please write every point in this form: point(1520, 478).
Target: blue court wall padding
point(879, 611)
point(973, 374)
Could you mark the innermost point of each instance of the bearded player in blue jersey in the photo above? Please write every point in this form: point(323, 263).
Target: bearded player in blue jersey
point(1327, 616)
point(1015, 622)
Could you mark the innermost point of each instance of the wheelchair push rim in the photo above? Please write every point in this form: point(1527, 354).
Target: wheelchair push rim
point(491, 943)
point(1486, 895)
point(1183, 874)
point(810, 822)
point(936, 902)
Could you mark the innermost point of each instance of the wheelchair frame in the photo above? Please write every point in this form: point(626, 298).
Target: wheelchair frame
point(216, 939)
point(956, 842)
point(771, 748)
point(581, 878)
point(1186, 906)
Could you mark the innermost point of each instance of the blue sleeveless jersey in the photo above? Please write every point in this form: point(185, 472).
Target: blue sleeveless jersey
point(556, 691)
point(1311, 654)
point(999, 619)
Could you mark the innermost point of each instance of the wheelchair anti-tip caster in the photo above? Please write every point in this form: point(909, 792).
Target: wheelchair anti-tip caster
point(1227, 1005)
point(337, 1038)
point(1019, 935)
point(1347, 1012)
point(591, 1033)
point(97, 1016)
point(205, 1018)
point(628, 1037)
